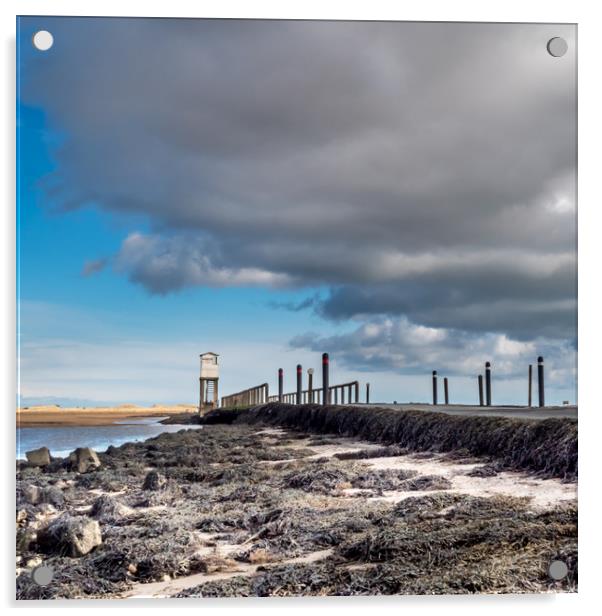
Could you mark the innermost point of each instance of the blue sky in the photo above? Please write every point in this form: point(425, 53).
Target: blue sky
point(270, 219)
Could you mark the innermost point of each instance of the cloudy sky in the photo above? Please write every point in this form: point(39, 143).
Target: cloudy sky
point(401, 195)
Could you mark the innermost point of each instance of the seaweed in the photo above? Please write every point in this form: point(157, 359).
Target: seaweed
point(547, 447)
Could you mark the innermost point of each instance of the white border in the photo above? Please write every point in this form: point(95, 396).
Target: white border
point(583, 12)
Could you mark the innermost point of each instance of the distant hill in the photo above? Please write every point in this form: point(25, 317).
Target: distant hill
point(65, 402)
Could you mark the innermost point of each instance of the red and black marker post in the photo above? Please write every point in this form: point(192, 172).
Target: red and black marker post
point(325, 379)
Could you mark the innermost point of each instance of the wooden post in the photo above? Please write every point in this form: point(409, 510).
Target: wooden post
point(434, 387)
point(446, 391)
point(488, 382)
point(325, 380)
point(299, 384)
point(530, 401)
point(280, 384)
point(200, 396)
point(481, 390)
point(310, 385)
point(357, 392)
point(367, 393)
point(540, 383)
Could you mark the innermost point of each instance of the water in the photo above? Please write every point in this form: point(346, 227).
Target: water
point(64, 439)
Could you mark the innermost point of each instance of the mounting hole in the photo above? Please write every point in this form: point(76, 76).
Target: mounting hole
point(42, 575)
point(558, 570)
point(43, 40)
point(557, 47)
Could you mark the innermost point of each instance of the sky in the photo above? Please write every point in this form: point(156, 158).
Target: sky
point(400, 195)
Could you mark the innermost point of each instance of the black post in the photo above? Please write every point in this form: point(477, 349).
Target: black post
point(542, 400)
point(357, 392)
point(299, 384)
point(367, 393)
point(488, 382)
point(434, 387)
point(446, 390)
point(530, 384)
point(480, 390)
point(325, 392)
point(280, 384)
point(310, 385)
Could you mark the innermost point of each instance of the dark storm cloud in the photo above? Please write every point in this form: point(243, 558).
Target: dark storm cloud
point(419, 169)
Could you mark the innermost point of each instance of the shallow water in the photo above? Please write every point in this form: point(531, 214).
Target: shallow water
point(62, 440)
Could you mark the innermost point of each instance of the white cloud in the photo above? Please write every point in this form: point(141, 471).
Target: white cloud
point(165, 264)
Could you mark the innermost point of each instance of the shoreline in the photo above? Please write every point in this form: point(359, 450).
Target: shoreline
point(253, 509)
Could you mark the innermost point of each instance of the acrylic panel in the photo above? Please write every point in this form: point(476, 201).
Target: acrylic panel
point(297, 308)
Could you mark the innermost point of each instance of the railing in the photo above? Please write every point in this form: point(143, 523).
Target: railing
point(248, 397)
point(315, 396)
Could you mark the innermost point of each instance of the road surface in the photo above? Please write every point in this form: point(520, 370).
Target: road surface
point(523, 412)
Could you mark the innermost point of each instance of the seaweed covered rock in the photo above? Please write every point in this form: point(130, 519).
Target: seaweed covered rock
point(69, 536)
point(154, 481)
point(108, 509)
point(31, 494)
point(36, 495)
point(84, 460)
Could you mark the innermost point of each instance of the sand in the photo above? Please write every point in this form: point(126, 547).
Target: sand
point(45, 416)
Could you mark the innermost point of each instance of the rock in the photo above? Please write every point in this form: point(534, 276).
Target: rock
point(34, 562)
point(21, 517)
point(108, 509)
point(84, 459)
point(32, 494)
point(25, 537)
point(46, 509)
point(38, 457)
point(69, 536)
point(52, 496)
point(154, 481)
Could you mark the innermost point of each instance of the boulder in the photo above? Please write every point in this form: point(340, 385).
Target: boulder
point(35, 495)
point(38, 457)
point(25, 537)
point(154, 481)
point(69, 536)
point(32, 494)
point(108, 509)
point(52, 495)
point(84, 459)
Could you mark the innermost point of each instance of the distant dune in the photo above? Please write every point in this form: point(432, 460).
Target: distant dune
point(50, 415)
